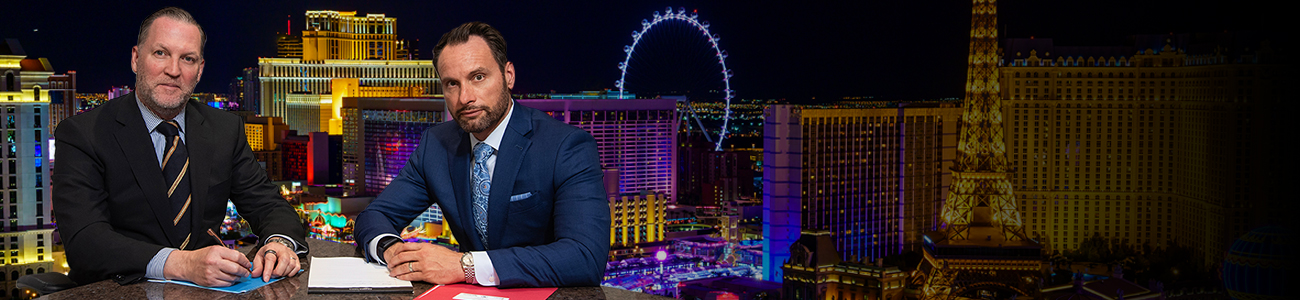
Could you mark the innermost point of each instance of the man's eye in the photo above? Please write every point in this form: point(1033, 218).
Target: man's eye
point(158, 52)
point(478, 77)
point(189, 59)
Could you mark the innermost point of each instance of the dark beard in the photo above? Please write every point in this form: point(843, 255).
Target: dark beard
point(492, 114)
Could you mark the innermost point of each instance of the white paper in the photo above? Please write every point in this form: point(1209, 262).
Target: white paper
point(350, 272)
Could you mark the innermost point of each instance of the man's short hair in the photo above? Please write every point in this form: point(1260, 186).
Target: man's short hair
point(174, 13)
point(461, 34)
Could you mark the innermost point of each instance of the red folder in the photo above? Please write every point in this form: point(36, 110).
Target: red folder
point(441, 292)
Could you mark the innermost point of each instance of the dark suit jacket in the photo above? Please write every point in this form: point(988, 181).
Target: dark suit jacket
point(110, 197)
point(556, 235)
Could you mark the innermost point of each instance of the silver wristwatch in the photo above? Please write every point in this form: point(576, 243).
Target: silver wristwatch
point(282, 241)
point(467, 264)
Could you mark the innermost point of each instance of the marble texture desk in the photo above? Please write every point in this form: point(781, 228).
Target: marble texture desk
point(295, 287)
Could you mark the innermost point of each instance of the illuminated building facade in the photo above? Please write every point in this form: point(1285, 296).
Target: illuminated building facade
point(282, 77)
point(63, 98)
point(308, 112)
point(293, 151)
point(636, 218)
point(635, 136)
point(288, 46)
point(245, 91)
point(264, 134)
point(379, 135)
point(1157, 143)
point(816, 271)
point(25, 211)
point(344, 35)
point(873, 178)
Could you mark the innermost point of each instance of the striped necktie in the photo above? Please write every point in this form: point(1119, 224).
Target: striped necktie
point(176, 163)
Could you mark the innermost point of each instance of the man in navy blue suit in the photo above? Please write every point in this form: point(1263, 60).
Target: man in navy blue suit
point(522, 191)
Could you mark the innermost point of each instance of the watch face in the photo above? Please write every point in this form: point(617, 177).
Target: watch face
point(467, 259)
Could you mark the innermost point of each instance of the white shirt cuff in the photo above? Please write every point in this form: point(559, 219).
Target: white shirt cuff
point(297, 248)
point(374, 251)
point(156, 265)
point(483, 271)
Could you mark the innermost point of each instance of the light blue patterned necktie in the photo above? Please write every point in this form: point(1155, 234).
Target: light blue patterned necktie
point(482, 184)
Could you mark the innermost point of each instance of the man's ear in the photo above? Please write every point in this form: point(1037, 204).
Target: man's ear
point(135, 55)
point(510, 75)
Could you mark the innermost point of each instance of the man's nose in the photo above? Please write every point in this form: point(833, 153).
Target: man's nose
point(173, 68)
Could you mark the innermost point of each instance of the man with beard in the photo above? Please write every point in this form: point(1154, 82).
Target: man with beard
point(143, 179)
point(522, 191)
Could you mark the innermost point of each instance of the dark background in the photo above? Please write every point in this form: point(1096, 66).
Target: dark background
point(788, 49)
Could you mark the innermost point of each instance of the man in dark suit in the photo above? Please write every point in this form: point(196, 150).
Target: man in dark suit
point(143, 180)
point(521, 190)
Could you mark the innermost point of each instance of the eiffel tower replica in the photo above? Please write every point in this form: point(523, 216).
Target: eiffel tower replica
point(981, 250)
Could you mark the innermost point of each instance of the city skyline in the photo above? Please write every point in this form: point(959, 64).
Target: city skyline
point(868, 39)
point(1139, 142)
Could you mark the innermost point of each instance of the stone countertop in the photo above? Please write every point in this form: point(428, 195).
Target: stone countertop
point(296, 287)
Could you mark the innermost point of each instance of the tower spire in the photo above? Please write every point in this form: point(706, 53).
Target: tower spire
point(981, 198)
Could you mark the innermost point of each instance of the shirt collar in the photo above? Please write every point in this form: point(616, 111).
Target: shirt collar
point(151, 120)
point(494, 138)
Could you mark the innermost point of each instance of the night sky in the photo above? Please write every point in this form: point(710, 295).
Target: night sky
point(790, 49)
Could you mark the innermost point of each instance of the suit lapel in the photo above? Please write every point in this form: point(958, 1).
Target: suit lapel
point(200, 147)
point(137, 147)
point(514, 143)
point(460, 157)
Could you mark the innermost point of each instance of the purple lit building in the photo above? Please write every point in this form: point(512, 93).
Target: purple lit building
point(635, 136)
point(379, 135)
point(875, 179)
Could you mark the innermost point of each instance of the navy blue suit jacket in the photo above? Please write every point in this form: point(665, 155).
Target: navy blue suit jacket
point(557, 236)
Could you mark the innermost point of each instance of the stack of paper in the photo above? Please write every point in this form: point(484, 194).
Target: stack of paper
point(352, 275)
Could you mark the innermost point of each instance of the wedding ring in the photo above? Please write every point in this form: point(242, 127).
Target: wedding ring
point(271, 252)
point(408, 267)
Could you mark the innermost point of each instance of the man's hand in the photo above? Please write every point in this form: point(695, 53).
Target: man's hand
point(424, 262)
point(214, 266)
point(275, 260)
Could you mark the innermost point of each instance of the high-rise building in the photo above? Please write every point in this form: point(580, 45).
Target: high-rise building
point(288, 46)
point(63, 98)
point(281, 77)
point(337, 45)
point(379, 135)
point(344, 35)
point(1161, 142)
point(635, 136)
point(25, 206)
point(636, 218)
point(872, 178)
point(244, 90)
point(263, 134)
point(293, 151)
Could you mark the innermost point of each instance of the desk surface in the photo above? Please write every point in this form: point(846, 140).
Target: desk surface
point(295, 287)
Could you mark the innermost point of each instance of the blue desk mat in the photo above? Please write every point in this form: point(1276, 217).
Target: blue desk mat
point(247, 284)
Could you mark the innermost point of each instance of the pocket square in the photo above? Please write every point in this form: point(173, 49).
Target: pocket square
point(521, 196)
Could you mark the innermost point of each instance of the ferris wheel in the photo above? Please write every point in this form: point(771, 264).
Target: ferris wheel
point(690, 19)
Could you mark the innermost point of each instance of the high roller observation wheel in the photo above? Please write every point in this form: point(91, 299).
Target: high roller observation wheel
point(693, 20)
